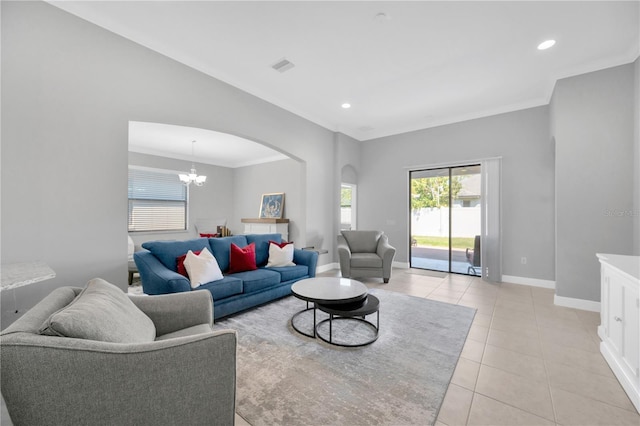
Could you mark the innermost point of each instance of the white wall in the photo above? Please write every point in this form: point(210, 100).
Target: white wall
point(249, 183)
point(69, 90)
point(593, 130)
point(636, 156)
point(432, 221)
point(521, 138)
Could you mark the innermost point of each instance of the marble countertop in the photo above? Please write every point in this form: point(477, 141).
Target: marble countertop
point(629, 265)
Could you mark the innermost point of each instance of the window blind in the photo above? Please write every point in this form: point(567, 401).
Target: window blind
point(157, 201)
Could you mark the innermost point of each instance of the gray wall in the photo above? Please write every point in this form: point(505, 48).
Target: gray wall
point(249, 183)
point(211, 201)
point(521, 138)
point(636, 163)
point(347, 169)
point(69, 90)
point(593, 127)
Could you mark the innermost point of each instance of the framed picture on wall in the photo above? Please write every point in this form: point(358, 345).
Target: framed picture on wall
point(272, 206)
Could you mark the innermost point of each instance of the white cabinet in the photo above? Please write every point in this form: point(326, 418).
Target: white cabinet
point(620, 320)
point(267, 226)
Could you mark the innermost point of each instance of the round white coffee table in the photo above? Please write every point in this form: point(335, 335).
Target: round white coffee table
point(336, 296)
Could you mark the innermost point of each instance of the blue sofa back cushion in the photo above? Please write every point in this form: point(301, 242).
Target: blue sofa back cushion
point(168, 251)
point(262, 246)
point(221, 248)
point(228, 286)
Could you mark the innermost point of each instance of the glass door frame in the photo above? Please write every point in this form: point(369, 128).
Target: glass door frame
point(450, 168)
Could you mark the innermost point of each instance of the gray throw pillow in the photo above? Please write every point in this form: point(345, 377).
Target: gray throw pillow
point(101, 312)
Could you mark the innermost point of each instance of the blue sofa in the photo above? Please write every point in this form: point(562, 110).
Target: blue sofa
point(157, 265)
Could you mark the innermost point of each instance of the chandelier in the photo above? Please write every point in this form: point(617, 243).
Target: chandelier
point(192, 176)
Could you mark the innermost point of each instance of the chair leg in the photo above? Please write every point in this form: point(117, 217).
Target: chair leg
point(130, 277)
point(386, 280)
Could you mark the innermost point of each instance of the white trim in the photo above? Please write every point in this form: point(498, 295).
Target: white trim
point(582, 304)
point(621, 371)
point(533, 282)
point(327, 267)
point(474, 161)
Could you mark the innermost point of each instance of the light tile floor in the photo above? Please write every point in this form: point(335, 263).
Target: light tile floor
point(525, 360)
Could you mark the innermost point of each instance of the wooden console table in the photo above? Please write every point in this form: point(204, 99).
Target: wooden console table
point(267, 226)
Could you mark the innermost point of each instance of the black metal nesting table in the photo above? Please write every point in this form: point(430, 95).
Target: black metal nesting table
point(342, 299)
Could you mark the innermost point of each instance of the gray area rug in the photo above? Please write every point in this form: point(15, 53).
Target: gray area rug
point(284, 378)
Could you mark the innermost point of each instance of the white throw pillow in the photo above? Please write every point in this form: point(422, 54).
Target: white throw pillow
point(202, 268)
point(280, 256)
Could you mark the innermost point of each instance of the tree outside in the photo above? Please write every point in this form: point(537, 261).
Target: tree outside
point(433, 191)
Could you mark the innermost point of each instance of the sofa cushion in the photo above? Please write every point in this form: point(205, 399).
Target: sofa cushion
point(289, 273)
point(202, 268)
point(228, 286)
point(168, 252)
point(242, 258)
point(362, 241)
point(280, 254)
point(262, 245)
point(221, 248)
point(365, 260)
point(208, 235)
point(101, 312)
point(258, 279)
point(180, 263)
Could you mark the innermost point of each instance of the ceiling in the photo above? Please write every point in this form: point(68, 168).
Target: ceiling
point(420, 64)
point(219, 149)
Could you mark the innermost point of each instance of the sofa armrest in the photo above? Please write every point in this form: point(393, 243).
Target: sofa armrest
point(344, 255)
point(56, 380)
point(308, 258)
point(387, 253)
point(157, 278)
point(385, 250)
point(173, 312)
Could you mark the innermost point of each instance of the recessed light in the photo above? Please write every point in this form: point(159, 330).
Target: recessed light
point(546, 44)
point(346, 105)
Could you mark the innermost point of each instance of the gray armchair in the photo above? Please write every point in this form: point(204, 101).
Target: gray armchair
point(186, 376)
point(365, 254)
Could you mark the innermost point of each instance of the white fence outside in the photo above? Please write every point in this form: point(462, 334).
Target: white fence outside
point(465, 222)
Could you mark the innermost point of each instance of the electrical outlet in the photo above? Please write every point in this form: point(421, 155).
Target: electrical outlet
point(523, 260)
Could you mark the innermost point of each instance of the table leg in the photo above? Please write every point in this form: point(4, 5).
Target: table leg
point(330, 328)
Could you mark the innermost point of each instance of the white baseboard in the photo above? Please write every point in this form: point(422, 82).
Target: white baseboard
point(570, 302)
point(327, 267)
point(533, 282)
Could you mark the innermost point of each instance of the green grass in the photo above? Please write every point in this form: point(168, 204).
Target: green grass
point(456, 242)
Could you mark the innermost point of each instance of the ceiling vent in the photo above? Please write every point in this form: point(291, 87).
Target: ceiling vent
point(283, 65)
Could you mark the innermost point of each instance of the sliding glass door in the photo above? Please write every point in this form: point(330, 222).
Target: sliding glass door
point(446, 219)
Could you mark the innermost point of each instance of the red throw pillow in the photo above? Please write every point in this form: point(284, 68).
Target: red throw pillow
point(282, 244)
point(208, 235)
point(180, 263)
point(242, 259)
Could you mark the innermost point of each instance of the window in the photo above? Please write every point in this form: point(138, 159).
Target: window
point(157, 201)
point(347, 206)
